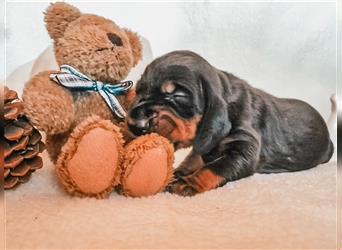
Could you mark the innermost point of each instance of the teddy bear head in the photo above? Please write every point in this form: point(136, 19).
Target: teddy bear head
point(94, 45)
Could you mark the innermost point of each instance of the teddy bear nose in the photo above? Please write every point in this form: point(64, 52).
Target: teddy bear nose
point(115, 39)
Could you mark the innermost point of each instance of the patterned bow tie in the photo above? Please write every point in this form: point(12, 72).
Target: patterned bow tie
point(74, 80)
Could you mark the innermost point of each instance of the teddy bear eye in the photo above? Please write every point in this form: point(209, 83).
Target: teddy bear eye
point(116, 40)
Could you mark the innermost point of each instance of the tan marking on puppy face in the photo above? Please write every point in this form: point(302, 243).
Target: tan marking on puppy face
point(178, 131)
point(168, 87)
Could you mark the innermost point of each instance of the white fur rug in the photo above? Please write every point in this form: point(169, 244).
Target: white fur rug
point(296, 210)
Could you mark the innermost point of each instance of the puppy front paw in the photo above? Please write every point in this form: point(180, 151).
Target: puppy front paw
point(199, 182)
point(181, 187)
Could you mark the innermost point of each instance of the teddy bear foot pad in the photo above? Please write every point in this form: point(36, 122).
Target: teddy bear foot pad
point(90, 161)
point(147, 166)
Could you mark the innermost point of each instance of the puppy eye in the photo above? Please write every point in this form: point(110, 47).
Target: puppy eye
point(168, 87)
point(179, 93)
point(115, 39)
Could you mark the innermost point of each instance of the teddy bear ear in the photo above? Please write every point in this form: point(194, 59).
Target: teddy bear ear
point(135, 44)
point(57, 17)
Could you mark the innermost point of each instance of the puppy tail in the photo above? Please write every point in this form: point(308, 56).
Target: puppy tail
point(332, 120)
point(333, 103)
point(332, 126)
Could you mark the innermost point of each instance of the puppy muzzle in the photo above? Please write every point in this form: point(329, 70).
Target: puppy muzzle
point(140, 118)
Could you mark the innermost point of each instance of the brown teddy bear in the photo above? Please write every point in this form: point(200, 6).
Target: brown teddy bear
point(82, 108)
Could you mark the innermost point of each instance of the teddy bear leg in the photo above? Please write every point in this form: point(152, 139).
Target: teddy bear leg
point(89, 163)
point(147, 166)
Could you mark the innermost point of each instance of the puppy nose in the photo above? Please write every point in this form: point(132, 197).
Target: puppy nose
point(139, 127)
point(140, 117)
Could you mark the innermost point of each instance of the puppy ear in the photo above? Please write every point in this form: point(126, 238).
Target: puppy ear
point(135, 44)
point(215, 124)
point(58, 16)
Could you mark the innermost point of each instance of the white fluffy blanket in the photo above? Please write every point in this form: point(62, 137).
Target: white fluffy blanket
point(296, 210)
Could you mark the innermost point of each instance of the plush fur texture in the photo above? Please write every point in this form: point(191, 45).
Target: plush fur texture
point(241, 131)
point(95, 46)
point(83, 136)
point(147, 166)
point(95, 161)
point(57, 18)
point(276, 211)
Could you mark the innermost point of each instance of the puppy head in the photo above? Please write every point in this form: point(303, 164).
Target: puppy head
point(180, 97)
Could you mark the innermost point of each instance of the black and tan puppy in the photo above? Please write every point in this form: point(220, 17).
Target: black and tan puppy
point(235, 130)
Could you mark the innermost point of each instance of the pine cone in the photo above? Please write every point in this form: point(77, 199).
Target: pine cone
point(22, 142)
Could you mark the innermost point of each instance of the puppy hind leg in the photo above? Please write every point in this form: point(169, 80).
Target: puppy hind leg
point(238, 159)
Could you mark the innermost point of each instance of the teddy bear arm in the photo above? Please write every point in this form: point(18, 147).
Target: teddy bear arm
point(48, 106)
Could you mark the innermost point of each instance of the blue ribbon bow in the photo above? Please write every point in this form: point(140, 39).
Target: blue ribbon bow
point(74, 80)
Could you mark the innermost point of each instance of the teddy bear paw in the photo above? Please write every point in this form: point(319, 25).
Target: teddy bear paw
point(89, 164)
point(147, 166)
